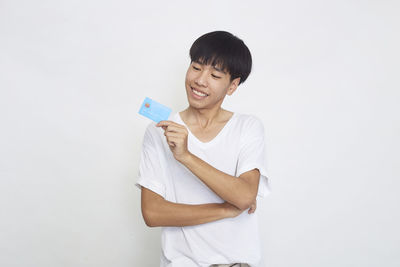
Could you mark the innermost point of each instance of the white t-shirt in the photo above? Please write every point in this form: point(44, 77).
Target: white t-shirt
point(238, 147)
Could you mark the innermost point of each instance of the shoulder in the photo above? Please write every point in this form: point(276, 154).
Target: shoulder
point(249, 122)
point(153, 134)
point(250, 128)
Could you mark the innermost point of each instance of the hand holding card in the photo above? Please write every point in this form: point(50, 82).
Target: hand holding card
point(154, 110)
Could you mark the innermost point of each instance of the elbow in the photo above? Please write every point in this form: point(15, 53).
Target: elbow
point(148, 218)
point(245, 202)
point(243, 205)
point(151, 206)
point(148, 222)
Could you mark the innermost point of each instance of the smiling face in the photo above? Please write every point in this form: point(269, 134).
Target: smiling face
point(207, 86)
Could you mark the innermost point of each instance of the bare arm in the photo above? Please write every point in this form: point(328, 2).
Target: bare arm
point(240, 191)
point(157, 211)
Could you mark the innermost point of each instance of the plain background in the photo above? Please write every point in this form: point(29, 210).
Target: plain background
point(325, 83)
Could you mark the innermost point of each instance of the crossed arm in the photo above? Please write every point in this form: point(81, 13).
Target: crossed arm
point(239, 193)
point(157, 211)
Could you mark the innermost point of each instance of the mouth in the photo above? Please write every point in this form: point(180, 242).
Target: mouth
point(198, 94)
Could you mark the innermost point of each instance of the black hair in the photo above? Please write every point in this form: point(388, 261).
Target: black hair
point(223, 49)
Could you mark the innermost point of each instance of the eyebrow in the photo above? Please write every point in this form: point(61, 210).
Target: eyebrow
point(220, 70)
point(214, 67)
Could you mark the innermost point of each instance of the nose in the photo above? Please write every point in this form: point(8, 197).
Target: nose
point(201, 79)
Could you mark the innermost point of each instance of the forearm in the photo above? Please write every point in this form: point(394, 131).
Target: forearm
point(230, 188)
point(173, 214)
point(160, 212)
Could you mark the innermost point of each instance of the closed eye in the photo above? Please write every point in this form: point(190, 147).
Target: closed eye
point(195, 68)
point(215, 76)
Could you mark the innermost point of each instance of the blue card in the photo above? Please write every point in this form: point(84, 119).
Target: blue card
point(154, 110)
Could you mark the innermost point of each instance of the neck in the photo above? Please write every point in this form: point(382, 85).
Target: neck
point(203, 118)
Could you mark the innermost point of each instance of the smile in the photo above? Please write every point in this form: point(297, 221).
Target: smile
point(198, 93)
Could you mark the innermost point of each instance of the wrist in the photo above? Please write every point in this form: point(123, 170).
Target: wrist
point(225, 211)
point(185, 159)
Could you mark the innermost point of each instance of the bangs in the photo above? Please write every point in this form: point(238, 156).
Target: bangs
point(215, 61)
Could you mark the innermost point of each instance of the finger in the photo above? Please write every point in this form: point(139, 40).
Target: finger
point(251, 210)
point(174, 140)
point(171, 126)
point(177, 129)
point(168, 123)
point(253, 207)
point(174, 134)
point(163, 123)
point(171, 144)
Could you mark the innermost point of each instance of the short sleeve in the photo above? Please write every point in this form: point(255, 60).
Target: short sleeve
point(252, 154)
point(150, 167)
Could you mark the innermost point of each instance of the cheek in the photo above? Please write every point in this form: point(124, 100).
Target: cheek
point(187, 78)
point(219, 86)
point(189, 75)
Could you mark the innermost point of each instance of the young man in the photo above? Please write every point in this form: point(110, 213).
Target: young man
point(203, 168)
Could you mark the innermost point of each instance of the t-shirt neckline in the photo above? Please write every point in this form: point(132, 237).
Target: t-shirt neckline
point(212, 141)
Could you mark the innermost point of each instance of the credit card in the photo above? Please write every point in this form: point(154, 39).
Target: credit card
point(154, 110)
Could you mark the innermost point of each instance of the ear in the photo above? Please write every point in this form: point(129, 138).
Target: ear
point(233, 86)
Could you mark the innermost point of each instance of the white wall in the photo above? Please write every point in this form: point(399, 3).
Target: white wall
point(74, 73)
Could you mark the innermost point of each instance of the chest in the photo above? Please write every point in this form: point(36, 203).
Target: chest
point(186, 187)
point(206, 135)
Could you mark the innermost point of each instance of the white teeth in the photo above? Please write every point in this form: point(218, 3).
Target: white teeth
point(198, 93)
